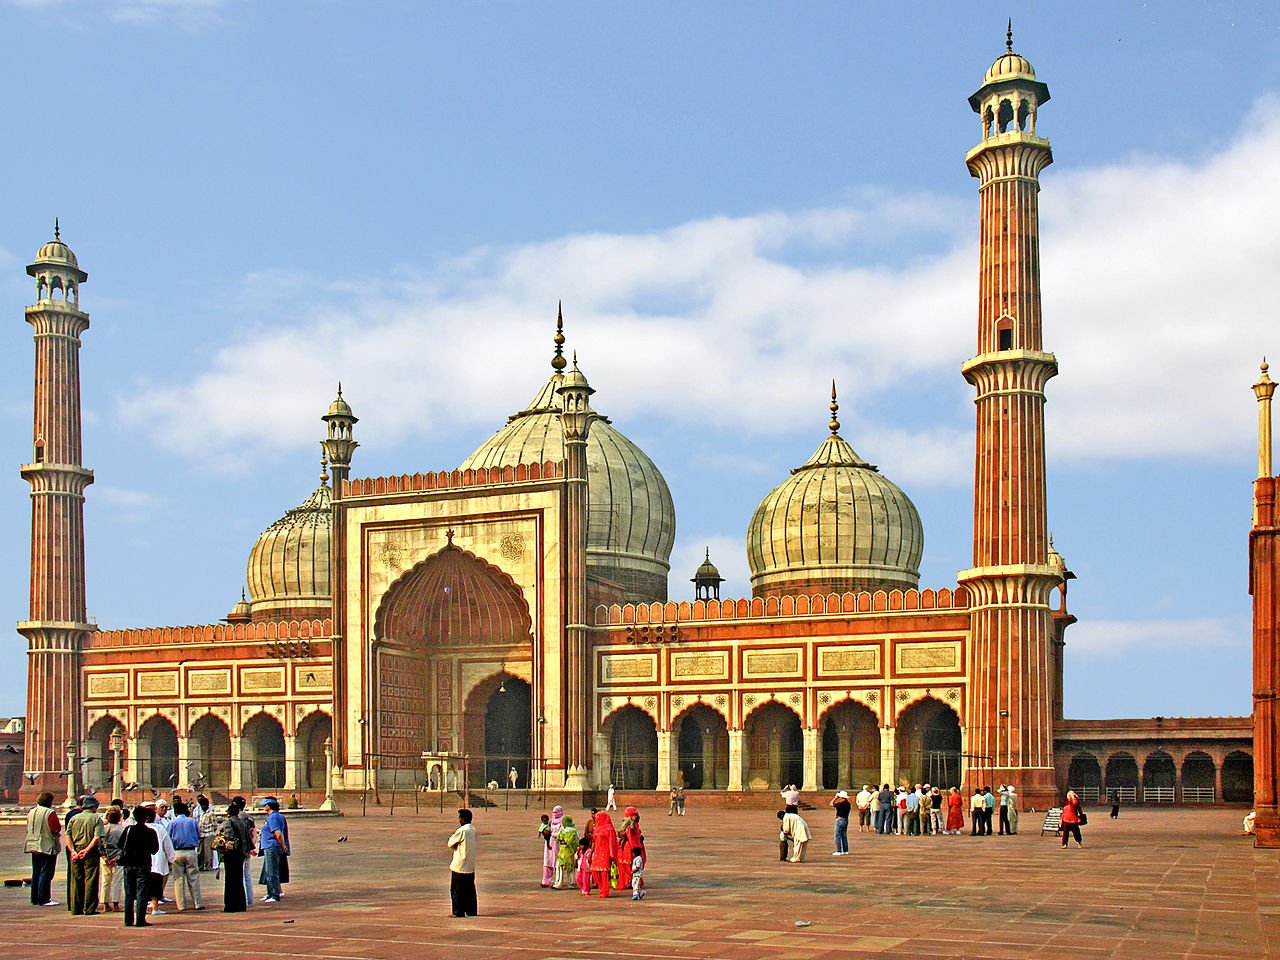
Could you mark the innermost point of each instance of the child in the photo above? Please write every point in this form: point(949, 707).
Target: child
point(565, 859)
point(583, 873)
point(544, 831)
point(637, 874)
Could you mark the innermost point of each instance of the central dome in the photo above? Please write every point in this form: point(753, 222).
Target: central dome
point(835, 525)
point(631, 517)
point(288, 569)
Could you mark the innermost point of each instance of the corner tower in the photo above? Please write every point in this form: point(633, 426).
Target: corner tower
point(58, 622)
point(1009, 722)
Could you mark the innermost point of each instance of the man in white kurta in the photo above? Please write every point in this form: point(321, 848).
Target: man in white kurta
point(462, 870)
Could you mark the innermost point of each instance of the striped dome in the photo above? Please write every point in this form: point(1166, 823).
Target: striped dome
point(836, 524)
point(631, 517)
point(288, 570)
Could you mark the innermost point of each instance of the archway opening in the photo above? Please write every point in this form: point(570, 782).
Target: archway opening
point(1237, 777)
point(159, 766)
point(498, 723)
point(99, 773)
point(929, 744)
point(702, 740)
point(850, 747)
point(775, 747)
point(1159, 771)
point(1122, 772)
point(262, 750)
point(633, 749)
point(1085, 776)
point(312, 734)
point(210, 744)
point(1199, 771)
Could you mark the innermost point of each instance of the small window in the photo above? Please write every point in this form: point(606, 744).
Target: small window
point(39, 451)
point(1005, 338)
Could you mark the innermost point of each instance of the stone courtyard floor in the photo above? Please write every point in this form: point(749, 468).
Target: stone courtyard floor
point(1155, 884)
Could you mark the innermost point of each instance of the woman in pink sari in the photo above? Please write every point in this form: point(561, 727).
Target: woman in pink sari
point(604, 851)
point(552, 846)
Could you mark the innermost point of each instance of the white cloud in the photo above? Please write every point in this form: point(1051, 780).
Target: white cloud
point(1107, 639)
point(124, 497)
point(1159, 282)
point(187, 13)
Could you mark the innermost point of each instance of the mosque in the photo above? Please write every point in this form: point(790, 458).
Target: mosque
point(511, 619)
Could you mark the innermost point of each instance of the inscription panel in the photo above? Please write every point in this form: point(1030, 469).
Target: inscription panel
point(157, 683)
point(209, 682)
point(108, 684)
point(312, 678)
point(262, 680)
point(927, 657)
point(629, 668)
point(849, 661)
point(690, 665)
point(773, 663)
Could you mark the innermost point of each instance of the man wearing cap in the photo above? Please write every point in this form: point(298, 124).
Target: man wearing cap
point(184, 832)
point(84, 839)
point(273, 845)
point(863, 802)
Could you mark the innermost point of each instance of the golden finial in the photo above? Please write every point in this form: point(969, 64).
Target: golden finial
point(835, 408)
point(1008, 37)
point(557, 362)
point(243, 598)
point(57, 229)
point(324, 469)
point(339, 389)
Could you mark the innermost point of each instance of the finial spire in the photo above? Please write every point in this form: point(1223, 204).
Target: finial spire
point(324, 469)
point(835, 409)
point(339, 389)
point(1008, 37)
point(708, 554)
point(557, 361)
point(57, 229)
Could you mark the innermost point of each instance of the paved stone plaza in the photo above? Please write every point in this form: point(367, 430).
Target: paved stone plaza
point(1156, 884)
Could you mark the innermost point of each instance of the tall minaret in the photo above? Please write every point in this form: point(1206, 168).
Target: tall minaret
point(576, 418)
point(1009, 722)
point(1264, 586)
point(58, 622)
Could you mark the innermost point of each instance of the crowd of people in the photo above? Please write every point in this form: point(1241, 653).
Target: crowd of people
point(601, 856)
point(122, 860)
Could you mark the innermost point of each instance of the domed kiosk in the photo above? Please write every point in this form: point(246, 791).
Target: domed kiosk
point(835, 525)
point(631, 517)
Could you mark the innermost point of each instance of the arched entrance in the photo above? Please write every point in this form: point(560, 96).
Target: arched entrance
point(158, 754)
point(1199, 773)
point(929, 744)
point(1122, 772)
point(210, 745)
point(262, 753)
point(702, 742)
point(1159, 771)
point(499, 728)
point(1237, 777)
point(312, 733)
point(99, 771)
point(633, 749)
point(850, 747)
point(775, 747)
point(452, 609)
point(1085, 776)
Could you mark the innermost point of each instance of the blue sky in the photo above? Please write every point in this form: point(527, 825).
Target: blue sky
point(736, 201)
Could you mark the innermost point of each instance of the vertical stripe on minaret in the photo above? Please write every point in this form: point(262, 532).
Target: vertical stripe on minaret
point(57, 623)
point(1009, 710)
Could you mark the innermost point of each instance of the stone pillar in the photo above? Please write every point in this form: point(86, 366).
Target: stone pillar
point(736, 777)
point(812, 759)
point(185, 760)
point(131, 771)
point(328, 805)
point(73, 775)
point(291, 760)
point(666, 760)
point(237, 769)
point(844, 759)
point(888, 755)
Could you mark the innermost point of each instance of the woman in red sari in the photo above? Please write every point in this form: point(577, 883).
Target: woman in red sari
point(955, 812)
point(604, 851)
point(629, 836)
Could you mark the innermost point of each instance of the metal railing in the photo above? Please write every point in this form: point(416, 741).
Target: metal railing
point(1199, 795)
point(1088, 793)
point(1157, 795)
point(1123, 794)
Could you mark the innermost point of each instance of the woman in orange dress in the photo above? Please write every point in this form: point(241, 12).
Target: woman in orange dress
point(604, 851)
point(629, 836)
point(955, 812)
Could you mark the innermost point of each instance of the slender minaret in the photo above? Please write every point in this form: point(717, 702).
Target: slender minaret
point(341, 443)
point(1009, 721)
point(575, 418)
point(58, 622)
point(338, 446)
point(1264, 585)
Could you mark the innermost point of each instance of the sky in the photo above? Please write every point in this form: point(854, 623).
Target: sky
point(737, 203)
